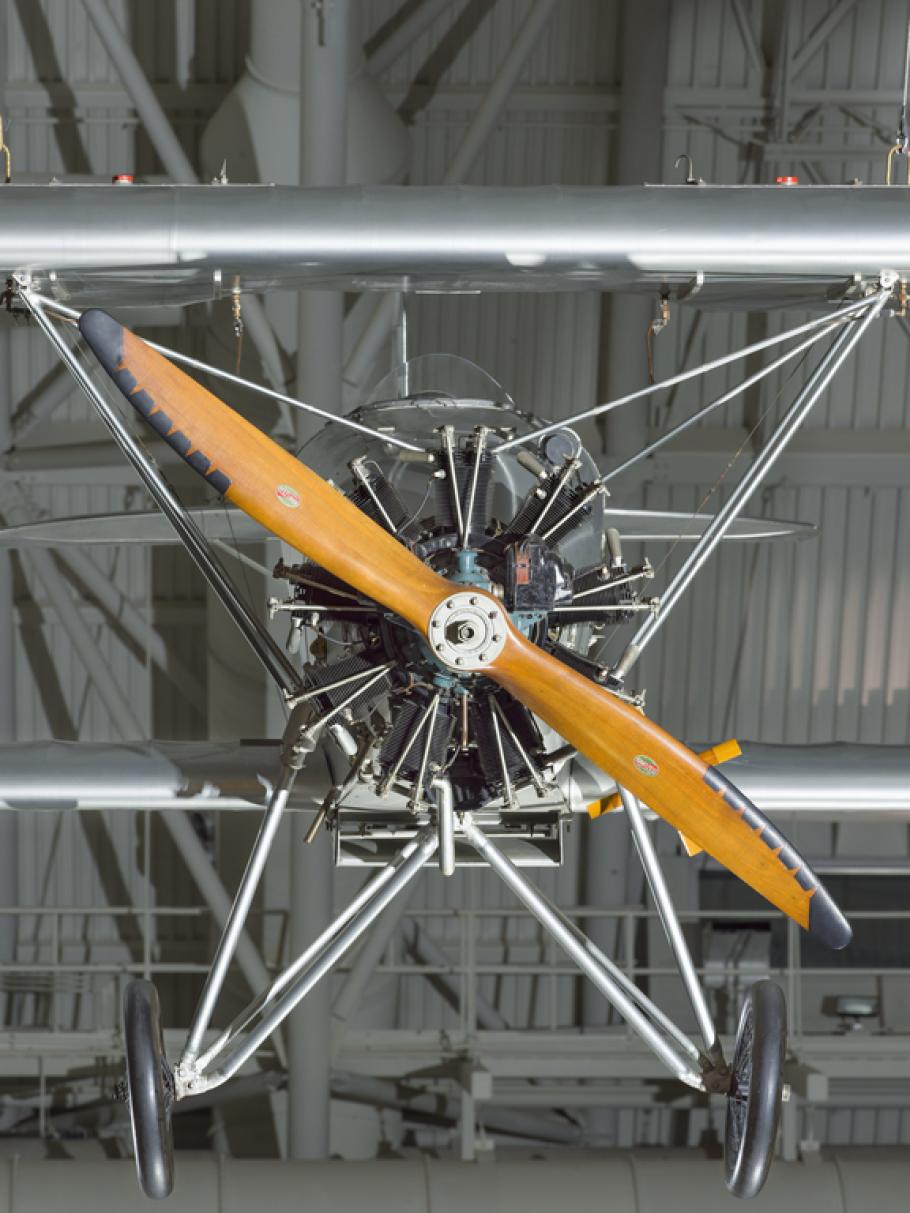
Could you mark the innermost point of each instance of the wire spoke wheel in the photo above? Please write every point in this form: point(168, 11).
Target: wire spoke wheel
point(754, 1099)
point(150, 1087)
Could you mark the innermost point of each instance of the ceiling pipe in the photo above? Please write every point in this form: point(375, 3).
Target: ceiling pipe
point(628, 1181)
point(176, 162)
point(481, 127)
point(322, 128)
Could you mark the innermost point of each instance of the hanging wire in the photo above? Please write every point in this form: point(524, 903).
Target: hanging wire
point(600, 650)
point(7, 156)
point(903, 139)
point(901, 146)
point(237, 314)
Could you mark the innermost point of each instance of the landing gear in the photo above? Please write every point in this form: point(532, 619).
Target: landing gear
point(754, 1099)
point(150, 1087)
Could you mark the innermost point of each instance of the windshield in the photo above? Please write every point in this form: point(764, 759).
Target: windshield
point(439, 375)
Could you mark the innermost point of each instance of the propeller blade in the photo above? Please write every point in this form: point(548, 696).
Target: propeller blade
point(272, 486)
point(253, 472)
point(695, 798)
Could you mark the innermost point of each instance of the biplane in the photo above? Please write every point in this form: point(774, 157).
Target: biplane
point(463, 558)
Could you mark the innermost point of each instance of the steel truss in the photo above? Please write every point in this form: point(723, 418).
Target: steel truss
point(201, 1069)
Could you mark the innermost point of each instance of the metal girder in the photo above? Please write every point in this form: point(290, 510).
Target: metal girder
point(747, 33)
point(819, 36)
point(411, 24)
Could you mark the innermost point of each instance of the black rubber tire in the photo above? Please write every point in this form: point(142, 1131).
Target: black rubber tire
point(754, 1099)
point(150, 1087)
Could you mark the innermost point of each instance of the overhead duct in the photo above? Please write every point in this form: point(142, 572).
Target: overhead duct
point(256, 128)
point(851, 1181)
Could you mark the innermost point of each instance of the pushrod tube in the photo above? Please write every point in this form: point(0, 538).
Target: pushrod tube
point(667, 911)
point(834, 357)
point(600, 409)
point(269, 653)
point(445, 824)
point(550, 920)
point(236, 1054)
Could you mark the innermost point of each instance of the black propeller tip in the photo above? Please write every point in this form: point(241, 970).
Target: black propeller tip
point(826, 922)
point(104, 336)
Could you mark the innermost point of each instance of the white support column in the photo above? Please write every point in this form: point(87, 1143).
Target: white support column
point(175, 160)
point(9, 827)
point(644, 32)
point(323, 123)
point(481, 126)
point(611, 872)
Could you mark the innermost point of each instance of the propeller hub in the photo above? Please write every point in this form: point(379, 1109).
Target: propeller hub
point(467, 631)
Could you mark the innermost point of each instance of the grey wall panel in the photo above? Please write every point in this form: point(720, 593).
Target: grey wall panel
point(800, 642)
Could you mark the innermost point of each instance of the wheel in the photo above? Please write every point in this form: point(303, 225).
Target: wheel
point(754, 1098)
point(150, 1089)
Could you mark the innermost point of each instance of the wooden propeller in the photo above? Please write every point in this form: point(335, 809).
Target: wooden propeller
point(281, 493)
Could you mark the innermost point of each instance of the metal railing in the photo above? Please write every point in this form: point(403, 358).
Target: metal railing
point(57, 946)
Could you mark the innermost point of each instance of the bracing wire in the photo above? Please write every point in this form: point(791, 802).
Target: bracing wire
point(903, 137)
